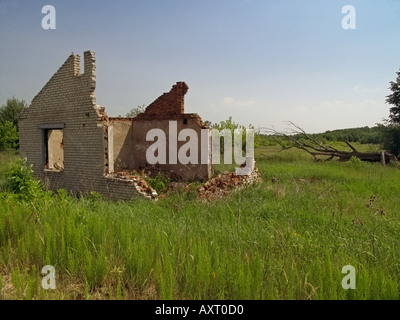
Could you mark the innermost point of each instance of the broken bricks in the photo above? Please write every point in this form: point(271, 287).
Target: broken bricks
point(223, 183)
point(140, 184)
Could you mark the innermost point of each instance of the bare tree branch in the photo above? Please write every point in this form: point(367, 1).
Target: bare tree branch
point(304, 141)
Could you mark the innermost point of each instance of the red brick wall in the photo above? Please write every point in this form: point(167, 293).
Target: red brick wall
point(168, 104)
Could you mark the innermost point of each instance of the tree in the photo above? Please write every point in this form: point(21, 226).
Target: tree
point(392, 132)
point(394, 99)
point(8, 136)
point(11, 111)
point(232, 126)
point(9, 114)
point(136, 111)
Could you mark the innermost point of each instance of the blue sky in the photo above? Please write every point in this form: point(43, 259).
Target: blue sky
point(262, 62)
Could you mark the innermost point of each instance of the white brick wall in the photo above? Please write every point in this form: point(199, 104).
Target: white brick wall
point(68, 97)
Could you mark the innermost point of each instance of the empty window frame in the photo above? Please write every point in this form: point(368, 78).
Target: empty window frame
point(53, 147)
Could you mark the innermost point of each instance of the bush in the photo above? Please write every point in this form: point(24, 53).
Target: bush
point(159, 183)
point(355, 162)
point(21, 181)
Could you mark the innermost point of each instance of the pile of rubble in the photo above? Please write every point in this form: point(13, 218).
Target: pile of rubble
point(217, 187)
point(140, 184)
point(225, 183)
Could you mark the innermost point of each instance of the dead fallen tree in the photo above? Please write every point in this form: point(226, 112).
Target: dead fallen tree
point(301, 140)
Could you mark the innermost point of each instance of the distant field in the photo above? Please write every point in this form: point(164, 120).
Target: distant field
point(287, 237)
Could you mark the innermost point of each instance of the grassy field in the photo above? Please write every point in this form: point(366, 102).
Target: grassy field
point(287, 237)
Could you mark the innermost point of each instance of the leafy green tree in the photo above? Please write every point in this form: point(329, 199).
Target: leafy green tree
point(8, 136)
point(11, 110)
point(394, 99)
point(232, 126)
point(9, 114)
point(392, 130)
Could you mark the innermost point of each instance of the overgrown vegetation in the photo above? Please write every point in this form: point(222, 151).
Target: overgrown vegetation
point(285, 238)
point(21, 182)
point(158, 183)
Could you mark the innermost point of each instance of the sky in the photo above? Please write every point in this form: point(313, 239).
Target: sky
point(263, 62)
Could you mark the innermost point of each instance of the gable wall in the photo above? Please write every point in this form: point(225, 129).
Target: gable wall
point(68, 99)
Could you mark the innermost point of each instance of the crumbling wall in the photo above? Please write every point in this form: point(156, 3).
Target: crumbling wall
point(169, 107)
point(169, 104)
point(67, 102)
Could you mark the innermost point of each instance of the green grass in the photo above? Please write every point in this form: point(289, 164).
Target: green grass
point(287, 237)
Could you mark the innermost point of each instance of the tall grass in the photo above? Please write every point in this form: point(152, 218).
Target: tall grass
point(287, 237)
point(6, 160)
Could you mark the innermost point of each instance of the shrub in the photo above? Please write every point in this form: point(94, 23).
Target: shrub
point(21, 181)
point(159, 183)
point(355, 162)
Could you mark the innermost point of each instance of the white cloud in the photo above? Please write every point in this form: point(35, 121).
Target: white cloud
point(231, 102)
point(360, 88)
point(227, 101)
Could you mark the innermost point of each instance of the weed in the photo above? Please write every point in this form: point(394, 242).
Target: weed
point(355, 162)
point(370, 223)
point(22, 182)
point(158, 183)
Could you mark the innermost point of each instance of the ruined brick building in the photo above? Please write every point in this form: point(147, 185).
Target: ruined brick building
point(72, 143)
